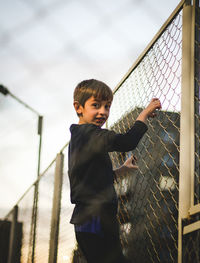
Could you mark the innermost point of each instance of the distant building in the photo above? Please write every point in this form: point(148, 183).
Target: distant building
point(5, 228)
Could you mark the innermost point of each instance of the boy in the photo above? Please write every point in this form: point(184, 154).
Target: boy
point(90, 170)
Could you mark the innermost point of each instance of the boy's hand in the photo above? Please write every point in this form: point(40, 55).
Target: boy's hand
point(153, 105)
point(149, 111)
point(130, 163)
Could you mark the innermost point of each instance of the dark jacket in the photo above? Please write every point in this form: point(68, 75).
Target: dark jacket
point(90, 169)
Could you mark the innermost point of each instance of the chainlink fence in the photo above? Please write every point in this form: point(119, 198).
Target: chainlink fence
point(148, 197)
point(25, 216)
point(148, 211)
point(44, 208)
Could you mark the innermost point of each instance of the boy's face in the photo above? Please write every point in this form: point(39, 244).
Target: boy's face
point(94, 111)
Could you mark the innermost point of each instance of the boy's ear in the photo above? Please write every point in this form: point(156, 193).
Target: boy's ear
point(77, 107)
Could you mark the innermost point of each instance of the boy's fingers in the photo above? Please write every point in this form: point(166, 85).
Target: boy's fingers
point(156, 100)
point(152, 115)
point(134, 159)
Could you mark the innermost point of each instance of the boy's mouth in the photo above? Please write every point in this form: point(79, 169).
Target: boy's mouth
point(100, 120)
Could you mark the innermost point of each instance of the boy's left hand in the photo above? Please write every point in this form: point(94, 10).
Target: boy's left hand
point(154, 105)
point(131, 163)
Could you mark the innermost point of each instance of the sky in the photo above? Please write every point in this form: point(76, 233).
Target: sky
point(46, 48)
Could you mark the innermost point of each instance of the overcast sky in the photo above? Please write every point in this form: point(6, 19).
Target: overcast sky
point(46, 48)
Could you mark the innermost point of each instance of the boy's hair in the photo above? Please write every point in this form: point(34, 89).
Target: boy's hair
point(92, 87)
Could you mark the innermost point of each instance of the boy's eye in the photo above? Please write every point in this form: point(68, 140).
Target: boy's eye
point(107, 106)
point(96, 105)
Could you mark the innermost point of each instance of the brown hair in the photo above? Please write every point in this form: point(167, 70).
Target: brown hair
point(92, 87)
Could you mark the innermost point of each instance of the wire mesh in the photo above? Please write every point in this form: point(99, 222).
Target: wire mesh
point(35, 218)
point(191, 247)
point(191, 252)
point(44, 212)
point(148, 198)
point(25, 217)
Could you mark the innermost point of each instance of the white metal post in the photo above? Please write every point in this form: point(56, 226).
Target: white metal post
point(55, 217)
point(186, 121)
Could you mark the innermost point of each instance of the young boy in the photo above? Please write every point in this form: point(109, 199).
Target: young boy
point(90, 170)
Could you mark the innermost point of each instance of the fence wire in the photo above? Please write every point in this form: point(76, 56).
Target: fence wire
point(191, 251)
point(35, 218)
point(44, 211)
point(25, 216)
point(148, 208)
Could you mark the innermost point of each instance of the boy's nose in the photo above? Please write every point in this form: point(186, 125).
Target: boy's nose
point(102, 110)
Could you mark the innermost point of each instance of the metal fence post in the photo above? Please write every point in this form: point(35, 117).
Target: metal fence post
point(55, 217)
point(187, 121)
point(13, 236)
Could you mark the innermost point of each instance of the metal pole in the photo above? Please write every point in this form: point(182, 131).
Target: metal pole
point(186, 121)
point(36, 193)
point(55, 217)
point(13, 236)
point(4, 90)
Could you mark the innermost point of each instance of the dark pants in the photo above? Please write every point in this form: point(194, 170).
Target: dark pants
point(105, 248)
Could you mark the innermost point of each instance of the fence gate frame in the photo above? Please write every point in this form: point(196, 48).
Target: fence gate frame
point(187, 127)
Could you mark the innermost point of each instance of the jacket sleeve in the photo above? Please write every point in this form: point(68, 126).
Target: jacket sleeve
point(104, 140)
point(129, 141)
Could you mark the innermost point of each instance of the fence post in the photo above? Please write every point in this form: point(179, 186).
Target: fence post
point(186, 121)
point(55, 217)
point(13, 236)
